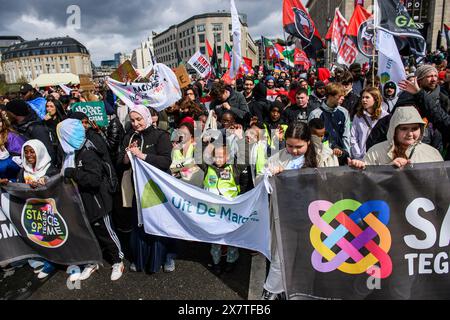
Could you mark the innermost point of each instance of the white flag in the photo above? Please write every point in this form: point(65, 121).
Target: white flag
point(390, 65)
point(175, 209)
point(236, 53)
point(159, 93)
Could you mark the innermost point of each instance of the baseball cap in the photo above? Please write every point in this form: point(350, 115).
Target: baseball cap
point(25, 88)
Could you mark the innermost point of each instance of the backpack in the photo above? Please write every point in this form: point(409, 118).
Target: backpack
point(107, 169)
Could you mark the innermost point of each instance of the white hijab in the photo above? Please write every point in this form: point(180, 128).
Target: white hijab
point(43, 161)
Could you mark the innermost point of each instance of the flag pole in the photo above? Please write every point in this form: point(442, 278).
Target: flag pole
point(375, 30)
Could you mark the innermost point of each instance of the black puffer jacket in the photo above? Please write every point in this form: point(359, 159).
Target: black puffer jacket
point(33, 128)
point(259, 106)
point(92, 183)
point(153, 142)
point(114, 137)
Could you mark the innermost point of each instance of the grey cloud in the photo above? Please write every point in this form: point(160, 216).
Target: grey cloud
point(133, 20)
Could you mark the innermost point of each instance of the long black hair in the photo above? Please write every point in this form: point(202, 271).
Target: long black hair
point(300, 130)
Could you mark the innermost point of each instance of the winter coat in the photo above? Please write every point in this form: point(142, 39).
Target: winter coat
point(350, 103)
point(361, 128)
point(92, 183)
point(295, 113)
point(33, 128)
point(337, 125)
point(153, 142)
point(382, 153)
point(238, 106)
point(114, 137)
point(14, 143)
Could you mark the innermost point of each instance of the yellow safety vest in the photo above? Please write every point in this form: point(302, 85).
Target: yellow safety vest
point(225, 185)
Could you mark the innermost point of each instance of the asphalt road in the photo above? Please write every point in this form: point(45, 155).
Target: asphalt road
point(192, 280)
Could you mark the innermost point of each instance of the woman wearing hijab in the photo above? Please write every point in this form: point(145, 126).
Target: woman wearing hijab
point(152, 145)
point(37, 168)
point(84, 166)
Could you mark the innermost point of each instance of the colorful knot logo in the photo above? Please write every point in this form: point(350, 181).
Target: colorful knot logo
point(349, 228)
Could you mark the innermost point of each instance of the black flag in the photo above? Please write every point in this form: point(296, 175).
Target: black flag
point(394, 18)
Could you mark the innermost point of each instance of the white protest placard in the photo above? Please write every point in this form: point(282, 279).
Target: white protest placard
point(162, 90)
point(200, 64)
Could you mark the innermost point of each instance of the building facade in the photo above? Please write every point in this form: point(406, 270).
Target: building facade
point(5, 42)
point(427, 14)
point(30, 59)
point(121, 57)
point(180, 42)
point(141, 57)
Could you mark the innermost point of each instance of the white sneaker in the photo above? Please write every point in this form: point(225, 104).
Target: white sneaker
point(117, 271)
point(88, 270)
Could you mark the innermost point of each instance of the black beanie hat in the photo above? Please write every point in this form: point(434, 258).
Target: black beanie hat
point(18, 107)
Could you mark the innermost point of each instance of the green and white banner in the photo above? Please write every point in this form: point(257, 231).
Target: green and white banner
point(175, 209)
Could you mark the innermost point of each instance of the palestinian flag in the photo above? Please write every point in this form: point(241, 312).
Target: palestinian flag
point(272, 52)
point(227, 55)
point(289, 55)
point(215, 63)
point(298, 23)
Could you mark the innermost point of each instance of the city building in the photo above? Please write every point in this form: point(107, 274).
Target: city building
point(30, 59)
point(429, 15)
point(109, 63)
point(121, 57)
point(5, 42)
point(141, 57)
point(180, 42)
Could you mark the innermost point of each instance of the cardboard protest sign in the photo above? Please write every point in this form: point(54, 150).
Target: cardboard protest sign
point(85, 83)
point(182, 76)
point(95, 110)
point(125, 72)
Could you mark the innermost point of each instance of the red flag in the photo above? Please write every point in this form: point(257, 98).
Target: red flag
point(248, 62)
point(348, 50)
point(298, 23)
point(209, 48)
point(337, 31)
point(301, 59)
point(359, 16)
point(227, 55)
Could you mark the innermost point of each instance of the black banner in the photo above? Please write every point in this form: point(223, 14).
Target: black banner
point(378, 234)
point(49, 222)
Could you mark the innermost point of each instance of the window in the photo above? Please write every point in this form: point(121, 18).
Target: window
point(189, 41)
point(219, 49)
point(230, 27)
point(201, 38)
point(201, 28)
point(217, 27)
point(218, 37)
point(203, 50)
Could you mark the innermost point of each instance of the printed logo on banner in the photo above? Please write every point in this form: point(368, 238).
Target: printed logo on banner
point(152, 195)
point(366, 38)
point(43, 223)
point(350, 240)
point(303, 24)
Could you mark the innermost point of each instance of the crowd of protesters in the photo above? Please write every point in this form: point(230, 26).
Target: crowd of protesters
point(272, 121)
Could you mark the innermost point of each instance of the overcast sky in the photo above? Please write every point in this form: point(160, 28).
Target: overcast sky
point(110, 26)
